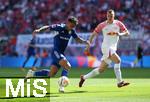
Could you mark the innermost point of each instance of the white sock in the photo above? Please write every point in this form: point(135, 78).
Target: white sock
point(61, 89)
point(118, 72)
point(92, 73)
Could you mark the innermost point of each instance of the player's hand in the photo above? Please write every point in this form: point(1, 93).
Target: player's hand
point(35, 31)
point(87, 51)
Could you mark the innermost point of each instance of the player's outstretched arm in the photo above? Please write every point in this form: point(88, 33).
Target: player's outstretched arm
point(87, 49)
point(40, 29)
point(82, 41)
point(92, 36)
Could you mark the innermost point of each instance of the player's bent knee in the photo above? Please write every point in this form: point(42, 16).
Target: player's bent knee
point(101, 70)
point(62, 62)
point(107, 61)
point(65, 64)
point(103, 66)
point(118, 61)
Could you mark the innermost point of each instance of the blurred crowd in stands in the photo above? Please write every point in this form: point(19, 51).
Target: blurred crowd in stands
point(23, 16)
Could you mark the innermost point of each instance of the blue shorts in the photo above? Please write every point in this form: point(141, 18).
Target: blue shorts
point(31, 53)
point(56, 57)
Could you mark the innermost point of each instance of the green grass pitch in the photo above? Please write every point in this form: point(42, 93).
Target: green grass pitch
point(99, 89)
point(103, 88)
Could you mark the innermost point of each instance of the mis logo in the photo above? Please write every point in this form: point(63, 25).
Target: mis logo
point(21, 87)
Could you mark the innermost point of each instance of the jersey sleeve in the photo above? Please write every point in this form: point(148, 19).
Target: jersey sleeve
point(54, 27)
point(122, 26)
point(99, 28)
point(74, 34)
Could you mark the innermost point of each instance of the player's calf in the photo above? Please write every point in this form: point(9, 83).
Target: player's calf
point(53, 71)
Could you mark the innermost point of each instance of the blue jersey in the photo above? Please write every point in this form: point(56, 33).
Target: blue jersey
point(31, 48)
point(62, 36)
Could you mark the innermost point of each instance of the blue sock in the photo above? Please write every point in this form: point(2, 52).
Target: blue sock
point(44, 72)
point(64, 72)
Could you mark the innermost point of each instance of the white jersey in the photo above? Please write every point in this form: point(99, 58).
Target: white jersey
point(110, 39)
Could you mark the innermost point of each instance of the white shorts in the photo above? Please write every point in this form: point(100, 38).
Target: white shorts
point(107, 52)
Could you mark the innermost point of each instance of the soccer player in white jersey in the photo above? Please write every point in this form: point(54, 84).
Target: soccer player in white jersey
point(111, 30)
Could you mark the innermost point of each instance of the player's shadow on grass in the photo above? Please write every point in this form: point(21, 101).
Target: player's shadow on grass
point(70, 92)
point(78, 92)
point(75, 92)
point(47, 95)
point(54, 96)
point(105, 91)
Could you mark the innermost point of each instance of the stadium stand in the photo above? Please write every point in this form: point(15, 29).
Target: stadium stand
point(23, 16)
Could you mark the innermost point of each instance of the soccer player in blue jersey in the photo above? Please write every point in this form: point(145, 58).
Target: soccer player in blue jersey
point(63, 33)
point(31, 51)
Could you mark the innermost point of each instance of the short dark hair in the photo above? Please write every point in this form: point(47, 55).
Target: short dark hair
point(110, 11)
point(73, 19)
